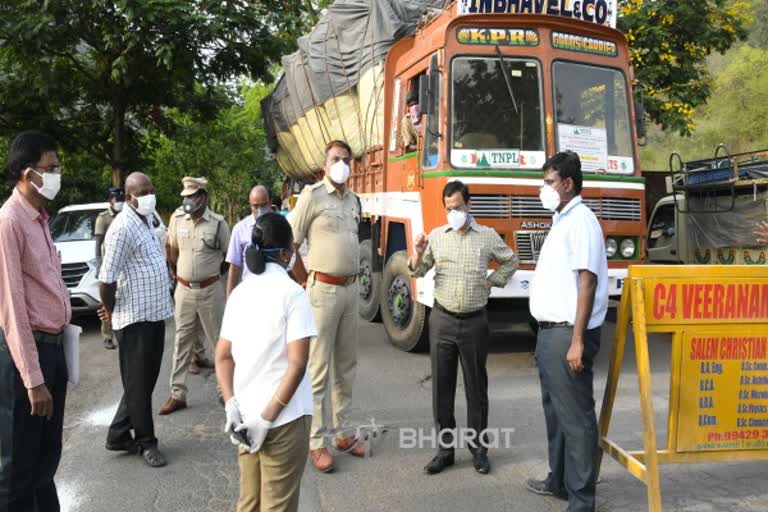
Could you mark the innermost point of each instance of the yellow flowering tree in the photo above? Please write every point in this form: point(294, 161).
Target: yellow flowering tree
point(669, 44)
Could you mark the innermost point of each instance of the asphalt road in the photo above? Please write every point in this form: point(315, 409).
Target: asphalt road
point(392, 394)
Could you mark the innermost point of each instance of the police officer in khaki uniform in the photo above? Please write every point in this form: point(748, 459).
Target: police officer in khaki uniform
point(197, 242)
point(103, 221)
point(327, 215)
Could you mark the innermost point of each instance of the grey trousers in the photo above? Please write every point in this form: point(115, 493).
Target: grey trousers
point(569, 412)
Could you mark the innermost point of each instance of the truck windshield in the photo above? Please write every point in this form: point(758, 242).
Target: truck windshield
point(74, 226)
point(592, 117)
point(486, 128)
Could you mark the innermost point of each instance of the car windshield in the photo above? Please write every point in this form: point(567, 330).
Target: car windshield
point(497, 115)
point(592, 117)
point(74, 226)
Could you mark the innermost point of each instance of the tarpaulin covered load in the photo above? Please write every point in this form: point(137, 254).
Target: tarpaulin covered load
point(333, 86)
point(723, 221)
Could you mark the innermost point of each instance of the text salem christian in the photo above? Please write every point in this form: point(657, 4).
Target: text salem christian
point(729, 348)
point(673, 301)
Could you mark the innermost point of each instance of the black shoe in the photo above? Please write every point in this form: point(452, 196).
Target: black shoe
point(153, 457)
point(129, 445)
point(542, 487)
point(481, 463)
point(109, 344)
point(438, 463)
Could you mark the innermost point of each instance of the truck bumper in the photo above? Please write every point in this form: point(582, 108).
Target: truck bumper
point(517, 288)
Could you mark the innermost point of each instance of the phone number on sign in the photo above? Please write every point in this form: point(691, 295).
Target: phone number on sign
point(737, 435)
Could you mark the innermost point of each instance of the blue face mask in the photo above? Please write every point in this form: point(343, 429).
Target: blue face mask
point(289, 266)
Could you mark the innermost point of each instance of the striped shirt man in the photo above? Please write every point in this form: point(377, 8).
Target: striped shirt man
point(134, 259)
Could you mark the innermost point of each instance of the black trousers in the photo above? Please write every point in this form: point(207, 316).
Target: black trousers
point(569, 412)
point(141, 354)
point(452, 341)
point(30, 446)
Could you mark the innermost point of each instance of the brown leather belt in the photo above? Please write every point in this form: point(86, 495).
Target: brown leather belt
point(200, 285)
point(334, 280)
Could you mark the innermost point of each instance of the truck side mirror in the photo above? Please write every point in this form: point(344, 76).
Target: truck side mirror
point(425, 99)
point(640, 125)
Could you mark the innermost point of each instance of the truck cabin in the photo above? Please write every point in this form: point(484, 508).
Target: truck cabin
point(500, 93)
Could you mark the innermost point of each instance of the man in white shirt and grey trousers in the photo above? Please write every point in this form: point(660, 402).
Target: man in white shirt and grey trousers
point(569, 299)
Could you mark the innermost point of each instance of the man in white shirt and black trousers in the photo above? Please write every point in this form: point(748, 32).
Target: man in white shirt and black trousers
point(569, 299)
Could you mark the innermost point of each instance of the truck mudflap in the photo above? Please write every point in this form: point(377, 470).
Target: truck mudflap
point(517, 288)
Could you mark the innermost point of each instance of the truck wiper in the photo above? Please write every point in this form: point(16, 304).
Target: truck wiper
point(506, 79)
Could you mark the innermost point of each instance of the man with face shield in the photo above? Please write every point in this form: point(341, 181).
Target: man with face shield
point(411, 125)
point(327, 216)
point(461, 252)
point(103, 221)
point(260, 201)
point(197, 241)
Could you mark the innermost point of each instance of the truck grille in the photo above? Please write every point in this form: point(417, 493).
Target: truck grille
point(529, 244)
point(73, 273)
point(612, 208)
point(504, 206)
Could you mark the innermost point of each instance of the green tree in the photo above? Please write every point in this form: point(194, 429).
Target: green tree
point(735, 115)
point(96, 74)
point(230, 150)
point(670, 42)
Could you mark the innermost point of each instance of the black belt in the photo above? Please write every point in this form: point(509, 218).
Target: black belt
point(550, 325)
point(460, 316)
point(44, 337)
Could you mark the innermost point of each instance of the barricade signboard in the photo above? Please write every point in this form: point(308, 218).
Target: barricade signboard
point(718, 396)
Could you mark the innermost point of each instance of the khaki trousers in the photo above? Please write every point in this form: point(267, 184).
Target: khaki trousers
point(333, 356)
point(198, 314)
point(106, 329)
point(270, 480)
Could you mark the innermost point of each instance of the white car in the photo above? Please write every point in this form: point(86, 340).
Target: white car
point(72, 230)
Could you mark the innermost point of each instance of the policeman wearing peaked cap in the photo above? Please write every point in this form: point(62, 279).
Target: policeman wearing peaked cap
point(197, 243)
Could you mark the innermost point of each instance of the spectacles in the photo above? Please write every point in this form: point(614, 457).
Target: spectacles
point(52, 169)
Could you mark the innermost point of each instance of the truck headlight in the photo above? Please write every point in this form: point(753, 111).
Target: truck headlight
point(611, 247)
point(627, 248)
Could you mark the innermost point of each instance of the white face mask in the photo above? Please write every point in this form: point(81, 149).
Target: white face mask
point(51, 184)
point(118, 206)
point(457, 219)
point(146, 205)
point(291, 263)
point(261, 210)
point(550, 198)
point(340, 172)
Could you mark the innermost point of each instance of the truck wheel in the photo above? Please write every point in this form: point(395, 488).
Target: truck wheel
point(405, 320)
point(370, 285)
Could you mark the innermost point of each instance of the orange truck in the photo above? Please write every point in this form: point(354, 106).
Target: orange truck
point(501, 86)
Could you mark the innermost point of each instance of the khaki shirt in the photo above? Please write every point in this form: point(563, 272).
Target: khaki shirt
point(461, 264)
point(201, 249)
point(408, 134)
point(103, 221)
point(328, 220)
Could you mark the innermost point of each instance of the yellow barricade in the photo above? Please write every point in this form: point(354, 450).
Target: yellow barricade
point(718, 393)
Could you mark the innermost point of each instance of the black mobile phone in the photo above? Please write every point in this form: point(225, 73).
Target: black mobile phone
point(242, 437)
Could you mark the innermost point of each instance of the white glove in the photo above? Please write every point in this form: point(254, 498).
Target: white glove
point(234, 425)
point(258, 432)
